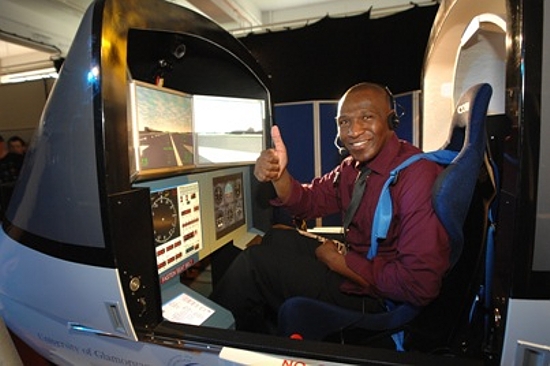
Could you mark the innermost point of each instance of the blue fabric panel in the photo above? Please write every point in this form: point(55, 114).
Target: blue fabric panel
point(330, 157)
point(296, 124)
point(329, 153)
point(405, 128)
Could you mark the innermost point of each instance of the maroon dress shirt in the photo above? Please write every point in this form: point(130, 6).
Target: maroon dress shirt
point(413, 259)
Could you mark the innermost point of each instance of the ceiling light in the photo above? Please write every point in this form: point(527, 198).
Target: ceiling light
point(18, 77)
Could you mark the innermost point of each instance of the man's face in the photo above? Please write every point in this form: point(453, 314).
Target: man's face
point(16, 147)
point(363, 123)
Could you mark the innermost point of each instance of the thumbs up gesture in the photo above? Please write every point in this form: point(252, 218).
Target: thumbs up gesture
point(272, 162)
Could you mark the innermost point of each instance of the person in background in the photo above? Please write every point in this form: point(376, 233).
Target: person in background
point(411, 261)
point(17, 145)
point(10, 163)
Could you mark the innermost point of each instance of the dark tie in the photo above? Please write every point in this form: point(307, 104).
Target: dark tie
point(356, 196)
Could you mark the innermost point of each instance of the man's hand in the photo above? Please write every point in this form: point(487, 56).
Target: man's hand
point(328, 253)
point(271, 163)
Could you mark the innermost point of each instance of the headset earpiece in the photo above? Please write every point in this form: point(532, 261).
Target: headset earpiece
point(393, 118)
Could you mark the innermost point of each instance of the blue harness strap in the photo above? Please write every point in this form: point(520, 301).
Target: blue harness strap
point(384, 210)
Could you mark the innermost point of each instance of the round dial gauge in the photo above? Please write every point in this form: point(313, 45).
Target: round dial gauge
point(165, 218)
point(238, 189)
point(229, 215)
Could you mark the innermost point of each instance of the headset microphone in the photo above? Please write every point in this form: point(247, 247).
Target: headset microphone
point(341, 150)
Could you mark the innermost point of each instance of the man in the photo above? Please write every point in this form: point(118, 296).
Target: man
point(10, 166)
point(10, 163)
point(410, 262)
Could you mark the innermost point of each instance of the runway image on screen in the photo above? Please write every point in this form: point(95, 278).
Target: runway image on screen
point(163, 122)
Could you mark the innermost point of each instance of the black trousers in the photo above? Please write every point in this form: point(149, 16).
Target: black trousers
point(263, 276)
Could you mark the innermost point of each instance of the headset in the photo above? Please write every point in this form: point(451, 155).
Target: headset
point(393, 117)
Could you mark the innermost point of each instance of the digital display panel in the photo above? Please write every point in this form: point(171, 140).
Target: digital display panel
point(228, 203)
point(176, 226)
point(227, 129)
point(162, 122)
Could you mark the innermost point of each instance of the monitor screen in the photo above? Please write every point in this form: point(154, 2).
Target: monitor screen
point(227, 129)
point(162, 124)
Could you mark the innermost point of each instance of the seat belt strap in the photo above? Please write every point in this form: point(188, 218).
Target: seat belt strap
point(384, 210)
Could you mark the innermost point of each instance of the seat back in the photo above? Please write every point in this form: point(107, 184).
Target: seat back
point(462, 202)
point(454, 187)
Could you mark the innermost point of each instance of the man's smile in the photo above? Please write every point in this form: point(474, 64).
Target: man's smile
point(359, 144)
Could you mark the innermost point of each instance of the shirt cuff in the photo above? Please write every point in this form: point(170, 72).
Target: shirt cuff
point(293, 199)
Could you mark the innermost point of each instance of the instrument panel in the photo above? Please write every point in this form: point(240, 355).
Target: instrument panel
point(176, 215)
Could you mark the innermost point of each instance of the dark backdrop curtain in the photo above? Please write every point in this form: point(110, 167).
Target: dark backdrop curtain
point(321, 60)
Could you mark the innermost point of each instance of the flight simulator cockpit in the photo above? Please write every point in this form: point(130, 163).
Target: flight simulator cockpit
point(142, 167)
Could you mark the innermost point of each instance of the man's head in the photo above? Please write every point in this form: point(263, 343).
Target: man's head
point(17, 145)
point(365, 120)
